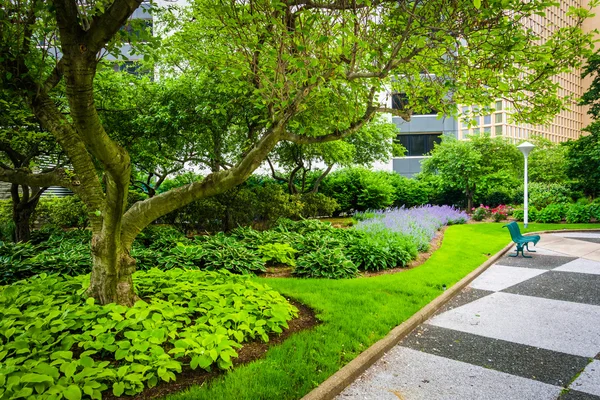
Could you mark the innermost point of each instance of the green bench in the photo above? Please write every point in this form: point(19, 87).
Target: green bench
point(520, 240)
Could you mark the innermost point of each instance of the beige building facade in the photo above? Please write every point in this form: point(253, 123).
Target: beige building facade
point(566, 125)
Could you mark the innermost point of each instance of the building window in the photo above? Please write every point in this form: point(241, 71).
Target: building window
point(499, 105)
point(487, 119)
point(487, 129)
point(499, 118)
point(498, 130)
point(419, 144)
point(399, 101)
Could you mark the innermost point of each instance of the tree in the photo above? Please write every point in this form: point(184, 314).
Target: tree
point(493, 163)
point(458, 163)
point(25, 146)
point(583, 155)
point(547, 161)
point(374, 142)
point(283, 58)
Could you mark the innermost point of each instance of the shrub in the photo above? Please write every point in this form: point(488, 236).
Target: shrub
point(327, 263)
point(409, 192)
point(578, 213)
point(480, 213)
point(551, 214)
point(281, 253)
point(317, 205)
point(65, 212)
point(358, 189)
point(7, 226)
point(519, 214)
point(371, 255)
point(501, 212)
point(497, 198)
point(378, 252)
point(76, 347)
point(594, 210)
point(545, 194)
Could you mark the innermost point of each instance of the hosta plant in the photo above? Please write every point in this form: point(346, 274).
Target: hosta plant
point(327, 263)
point(55, 343)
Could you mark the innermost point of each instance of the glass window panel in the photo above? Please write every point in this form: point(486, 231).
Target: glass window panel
point(487, 119)
point(499, 105)
point(418, 145)
point(499, 130)
point(499, 118)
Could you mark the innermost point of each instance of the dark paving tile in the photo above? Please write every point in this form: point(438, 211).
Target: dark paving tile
point(516, 359)
point(559, 285)
point(467, 295)
point(587, 239)
point(575, 395)
point(538, 261)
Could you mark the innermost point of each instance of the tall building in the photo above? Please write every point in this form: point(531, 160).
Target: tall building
point(568, 124)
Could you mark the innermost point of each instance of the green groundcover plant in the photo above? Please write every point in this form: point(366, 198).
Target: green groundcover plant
point(55, 343)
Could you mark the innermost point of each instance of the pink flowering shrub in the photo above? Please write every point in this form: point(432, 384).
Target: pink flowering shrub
point(501, 212)
point(480, 213)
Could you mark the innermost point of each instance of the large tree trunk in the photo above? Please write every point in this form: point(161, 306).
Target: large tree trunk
point(21, 217)
point(23, 208)
point(111, 280)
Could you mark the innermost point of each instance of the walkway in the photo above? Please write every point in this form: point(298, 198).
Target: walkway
point(526, 329)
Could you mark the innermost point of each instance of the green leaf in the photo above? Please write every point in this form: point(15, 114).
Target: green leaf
point(72, 393)
point(36, 378)
point(118, 388)
point(477, 4)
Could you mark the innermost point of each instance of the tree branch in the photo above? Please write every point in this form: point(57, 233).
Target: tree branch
point(22, 176)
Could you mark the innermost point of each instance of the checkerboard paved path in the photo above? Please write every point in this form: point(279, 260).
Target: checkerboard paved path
point(524, 329)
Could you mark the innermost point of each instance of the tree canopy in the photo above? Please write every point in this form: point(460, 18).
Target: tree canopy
point(305, 72)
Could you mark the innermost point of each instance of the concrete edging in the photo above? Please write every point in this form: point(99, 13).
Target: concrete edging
point(336, 383)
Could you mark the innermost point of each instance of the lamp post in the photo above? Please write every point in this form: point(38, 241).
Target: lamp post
point(525, 148)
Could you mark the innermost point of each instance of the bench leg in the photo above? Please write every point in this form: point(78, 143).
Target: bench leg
point(527, 247)
point(519, 250)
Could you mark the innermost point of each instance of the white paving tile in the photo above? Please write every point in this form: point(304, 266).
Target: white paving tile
point(578, 234)
point(500, 277)
point(581, 265)
point(544, 252)
point(413, 375)
point(571, 328)
point(589, 380)
point(572, 247)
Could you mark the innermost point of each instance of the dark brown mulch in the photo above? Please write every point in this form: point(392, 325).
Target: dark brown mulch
point(249, 352)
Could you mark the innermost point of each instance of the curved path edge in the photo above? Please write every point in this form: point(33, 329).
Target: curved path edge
point(337, 382)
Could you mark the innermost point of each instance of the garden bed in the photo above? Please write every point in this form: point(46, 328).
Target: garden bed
point(250, 352)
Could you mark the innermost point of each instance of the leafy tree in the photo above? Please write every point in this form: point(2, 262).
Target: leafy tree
point(459, 164)
point(374, 142)
point(25, 146)
point(478, 165)
point(547, 162)
point(282, 58)
point(583, 154)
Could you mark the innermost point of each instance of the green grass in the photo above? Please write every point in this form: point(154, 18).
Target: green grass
point(355, 314)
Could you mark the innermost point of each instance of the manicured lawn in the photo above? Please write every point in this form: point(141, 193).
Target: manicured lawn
point(355, 314)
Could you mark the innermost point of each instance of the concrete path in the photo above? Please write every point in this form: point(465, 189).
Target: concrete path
point(525, 329)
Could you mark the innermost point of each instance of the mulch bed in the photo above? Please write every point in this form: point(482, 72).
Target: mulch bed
point(249, 352)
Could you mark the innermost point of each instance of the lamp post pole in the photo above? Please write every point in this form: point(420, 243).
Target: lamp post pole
point(525, 148)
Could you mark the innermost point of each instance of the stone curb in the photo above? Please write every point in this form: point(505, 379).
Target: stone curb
point(336, 383)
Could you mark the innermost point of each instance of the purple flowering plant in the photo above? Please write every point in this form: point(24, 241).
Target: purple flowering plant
point(419, 223)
